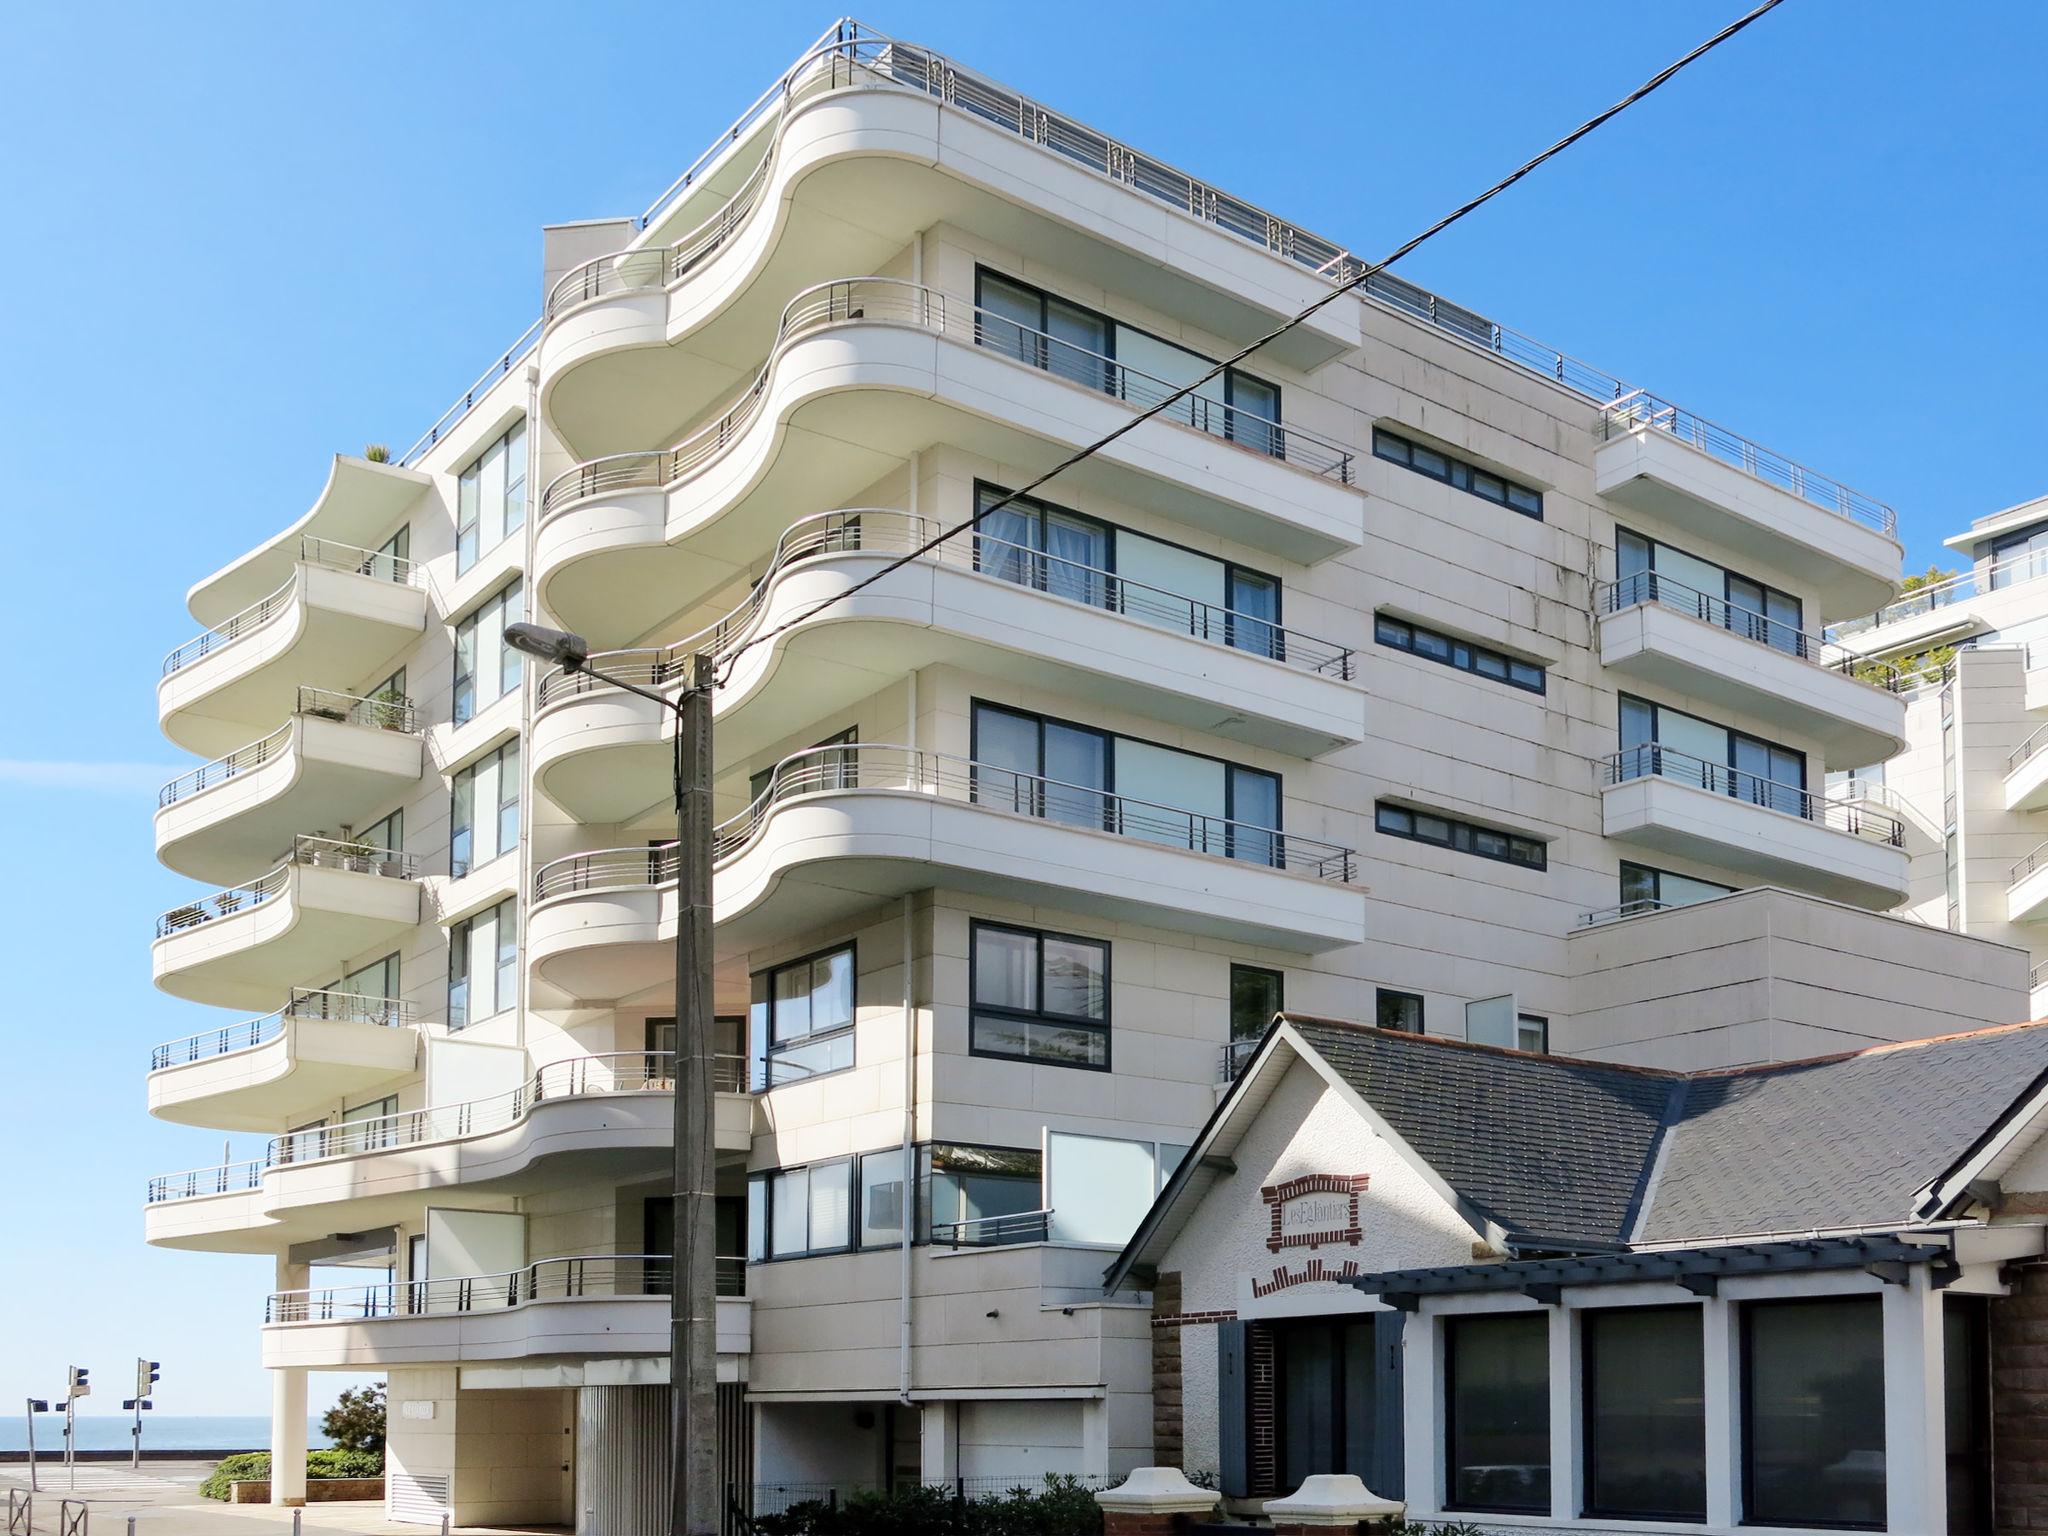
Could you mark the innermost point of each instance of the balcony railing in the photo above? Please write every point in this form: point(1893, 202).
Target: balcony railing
point(600, 1276)
point(895, 301)
point(385, 712)
point(2037, 978)
point(1625, 909)
point(2025, 867)
point(1653, 587)
point(326, 553)
point(466, 401)
point(1237, 1054)
point(306, 853)
point(1851, 816)
point(886, 531)
point(1641, 411)
point(2026, 749)
point(336, 1007)
point(993, 1231)
point(1995, 576)
point(196, 1183)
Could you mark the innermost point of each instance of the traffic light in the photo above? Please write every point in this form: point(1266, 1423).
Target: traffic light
point(77, 1385)
point(146, 1376)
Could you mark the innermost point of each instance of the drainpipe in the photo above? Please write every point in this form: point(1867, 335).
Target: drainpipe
point(909, 1028)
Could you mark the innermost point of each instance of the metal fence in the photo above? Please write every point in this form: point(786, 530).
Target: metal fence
point(1851, 816)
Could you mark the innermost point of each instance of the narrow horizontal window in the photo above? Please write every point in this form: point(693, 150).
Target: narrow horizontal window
point(1463, 836)
point(1457, 473)
point(1449, 651)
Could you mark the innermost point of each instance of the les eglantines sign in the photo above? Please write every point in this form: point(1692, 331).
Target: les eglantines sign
point(1316, 1210)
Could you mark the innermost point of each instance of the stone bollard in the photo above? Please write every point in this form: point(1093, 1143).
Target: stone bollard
point(1329, 1501)
point(1151, 1500)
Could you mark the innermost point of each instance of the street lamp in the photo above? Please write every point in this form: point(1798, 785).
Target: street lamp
point(693, 1284)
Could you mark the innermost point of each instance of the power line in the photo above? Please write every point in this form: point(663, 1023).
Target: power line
point(1405, 248)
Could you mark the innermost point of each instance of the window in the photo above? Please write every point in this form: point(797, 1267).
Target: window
point(1645, 1413)
point(1532, 1033)
point(1400, 1011)
point(1439, 465)
point(1464, 836)
point(1255, 996)
point(1325, 1398)
point(1045, 331)
point(2019, 556)
point(1674, 745)
point(356, 995)
point(978, 1196)
point(882, 1190)
point(1647, 888)
point(490, 498)
point(484, 821)
point(392, 556)
point(1098, 1188)
point(1433, 645)
point(803, 1210)
point(1039, 997)
point(384, 835)
point(815, 769)
point(1650, 571)
point(370, 1134)
point(802, 1018)
point(1813, 1412)
point(483, 964)
point(486, 668)
point(728, 1051)
point(1497, 1412)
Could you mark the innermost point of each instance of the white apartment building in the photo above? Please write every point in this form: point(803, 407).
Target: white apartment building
point(1972, 777)
point(1415, 674)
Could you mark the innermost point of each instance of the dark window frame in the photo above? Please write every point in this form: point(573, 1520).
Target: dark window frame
point(770, 1049)
point(1470, 830)
point(1460, 474)
point(1745, 1448)
point(765, 1178)
point(1589, 1323)
point(1463, 654)
point(1279, 980)
point(1451, 1327)
point(1542, 1022)
point(471, 620)
point(1657, 877)
point(1381, 995)
point(1043, 1016)
point(1622, 700)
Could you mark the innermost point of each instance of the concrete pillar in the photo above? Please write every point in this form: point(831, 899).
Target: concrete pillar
point(938, 1432)
point(288, 1411)
point(1564, 1419)
point(1095, 1438)
point(1155, 1501)
point(1915, 1426)
point(1722, 1360)
point(1422, 1409)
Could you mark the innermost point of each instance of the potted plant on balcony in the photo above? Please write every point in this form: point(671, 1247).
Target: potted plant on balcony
point(377, 453)
point(226, 902)
point(389, 709)
point(182, 917)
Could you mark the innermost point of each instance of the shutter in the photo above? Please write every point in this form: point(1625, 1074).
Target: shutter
point(1233, 1409)
point(417, 1500)
point(1389, 1458)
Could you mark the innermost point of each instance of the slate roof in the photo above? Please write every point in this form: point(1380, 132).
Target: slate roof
point(1551, 1146)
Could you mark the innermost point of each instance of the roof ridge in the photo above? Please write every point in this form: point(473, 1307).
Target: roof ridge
point(1644, 1199)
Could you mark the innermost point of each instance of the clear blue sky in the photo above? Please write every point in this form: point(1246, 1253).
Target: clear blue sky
point(239, 237)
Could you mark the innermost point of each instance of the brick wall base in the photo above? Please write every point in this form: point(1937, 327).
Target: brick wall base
point(1167, 1422)
point(319, 1490)
point(2019, 1405)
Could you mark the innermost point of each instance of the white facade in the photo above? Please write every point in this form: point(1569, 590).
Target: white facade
point(1318, 687)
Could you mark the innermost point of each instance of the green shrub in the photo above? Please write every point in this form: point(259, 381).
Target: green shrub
point(254, 1467)
point(1061, 1506)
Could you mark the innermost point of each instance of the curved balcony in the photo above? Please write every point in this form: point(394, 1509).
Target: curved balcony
point(865, 372)
point(250, 944)
point(319, 1049)
point(838, 829)
point(340, 758)
point(1699, 644)
point(580, 1307)
point(1778, 833)
point(854, 599)
point(861, 145)
point(342, 613)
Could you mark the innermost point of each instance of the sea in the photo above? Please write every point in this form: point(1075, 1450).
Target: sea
point(160, 1432)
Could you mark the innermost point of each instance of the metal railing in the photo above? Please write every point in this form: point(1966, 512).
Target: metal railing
point(306, 1003)
point(993, 1231)
point(887, 531)
point(1654, 759)
point(2025, 867)
point(306, 853)
point(728, 1073)
point(195, 1183)
point(897, 301)
point(594, 1276)
point(325, 553)
point(2026, 749)
point(466, 401)
point(1654, 587)
point(1615, 913)
point(2037, 978)
point(1236, 1053)
point(1994, 576)
point(1642, 411)
point(386, 712)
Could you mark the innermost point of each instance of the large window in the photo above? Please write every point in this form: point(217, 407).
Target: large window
point(802, 1211)
point(2019, 556)
point(1048, 332)
point(486, 668)
point(1464, 836)
point(1650, 571)
point(490, 498)
point(1642, 886)
point(355, 995)
point(1644, 1398)
point(1438, 465)
point(1497, 1412)
point(1449, 651)
point(1091, 778)
point(802, 1018)
point(971, 1197)
point(1039, 996)
point(1325, 1398)
point(483, 964)
point(1675, 745)
point(1098, 1188)
point(1813, 1412)
point(484, 819)
point(1256, 994)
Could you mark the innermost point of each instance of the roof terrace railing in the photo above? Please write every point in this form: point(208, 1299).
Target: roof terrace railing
point(1993, 576)
point(1641, 411)
point(1625, 909)
point(1851, 816)
point(306, 853)
point(306, 1003)
point(467, 400)
point(1655, 587)
point(327, 553)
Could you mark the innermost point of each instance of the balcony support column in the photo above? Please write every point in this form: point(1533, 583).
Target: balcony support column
point(938, 1433)
point(288, 1411)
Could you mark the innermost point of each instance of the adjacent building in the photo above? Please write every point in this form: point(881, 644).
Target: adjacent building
point(1414, 674)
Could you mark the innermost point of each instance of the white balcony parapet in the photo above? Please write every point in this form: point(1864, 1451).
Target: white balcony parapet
point(306, 1003)
point(897, 301)
point(385, 712)
point(1652, 759)
point(593, 1275)
point(1641, 411)
point(1995, 576)
point(887, 531)
point(1652, 587)
point(306, 853)
point(322, 552)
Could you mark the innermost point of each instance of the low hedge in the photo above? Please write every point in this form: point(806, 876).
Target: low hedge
point(254, 1467)
point(1061, 1507)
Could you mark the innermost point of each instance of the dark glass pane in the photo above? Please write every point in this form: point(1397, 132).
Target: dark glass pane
point(1966, 1413)
point(1498, 1405)
point(1076, 762)
point(1393, 632)
point(1646, 1426)
point(1813, 1419)
point(1638, 883)
point(1309, 1369)
point(1398, 1010)
point(1006, 759)
point(1076, 978)
point(1255, 996)
point(1009, 319)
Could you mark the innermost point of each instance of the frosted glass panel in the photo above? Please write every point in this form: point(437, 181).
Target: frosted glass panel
point(1491, 1021)
point(1098, 1189)
point(1158, 577)
point(1677, 566)
point(1183, 792)
point(1696, 739)
point(1173, 365)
